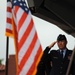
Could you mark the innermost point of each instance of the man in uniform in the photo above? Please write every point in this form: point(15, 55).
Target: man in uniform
point(56, 62)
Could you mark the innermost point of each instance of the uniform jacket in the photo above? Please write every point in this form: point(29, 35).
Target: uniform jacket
point(58, 65)
point(53, 64)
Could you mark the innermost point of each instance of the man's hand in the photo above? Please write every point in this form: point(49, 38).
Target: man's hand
point(51, 45)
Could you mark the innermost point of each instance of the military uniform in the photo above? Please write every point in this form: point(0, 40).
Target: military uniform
point(56, 62)
point(58, 65)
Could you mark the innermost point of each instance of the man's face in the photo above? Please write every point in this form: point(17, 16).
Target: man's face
point(62, 44)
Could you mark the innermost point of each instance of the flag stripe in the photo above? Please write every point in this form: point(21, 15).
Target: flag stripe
point(24, 26)
point(9, 15)
point(24, 37)
point(31, 71)
point(9, 4)
point(30, 60)
point(9, 30)
point(14, 17)
point(9, 9)
point(9, 22)
point(21, 21)
point(29, 51)
point(26, 45)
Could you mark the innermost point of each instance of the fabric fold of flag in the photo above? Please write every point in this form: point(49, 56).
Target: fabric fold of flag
point(29, 49)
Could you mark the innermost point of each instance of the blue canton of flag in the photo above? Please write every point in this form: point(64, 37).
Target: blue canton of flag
point(20, 3)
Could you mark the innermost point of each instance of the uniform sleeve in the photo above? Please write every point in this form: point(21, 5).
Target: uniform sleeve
point(44, 66)
point(46, 54)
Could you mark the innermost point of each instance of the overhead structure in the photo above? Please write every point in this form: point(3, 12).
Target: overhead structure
point(58, 12)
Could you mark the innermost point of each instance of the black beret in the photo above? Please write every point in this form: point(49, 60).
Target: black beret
point(61, 37)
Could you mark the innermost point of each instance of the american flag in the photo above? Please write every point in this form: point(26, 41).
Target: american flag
point(28, 45)
point(9, 31)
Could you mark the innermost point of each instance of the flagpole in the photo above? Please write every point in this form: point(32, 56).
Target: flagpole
point(70, 63)
point(7, 45)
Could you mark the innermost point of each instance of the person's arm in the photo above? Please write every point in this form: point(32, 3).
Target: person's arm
point(49, 47)
point(41, 69)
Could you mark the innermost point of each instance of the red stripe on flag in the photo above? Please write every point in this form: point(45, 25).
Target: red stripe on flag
point(9, 30)
point(9, 20)
point(8, 9)
point(22, 19)
point(34, 65)
point(29, 51)
point(24, 37)
point(16, 9)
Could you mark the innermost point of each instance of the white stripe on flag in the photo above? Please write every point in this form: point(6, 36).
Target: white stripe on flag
point(9, 4)
point(25, 46)
point(8, 26)
point(29, 62)
point(9, 15)
point(24, 27)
